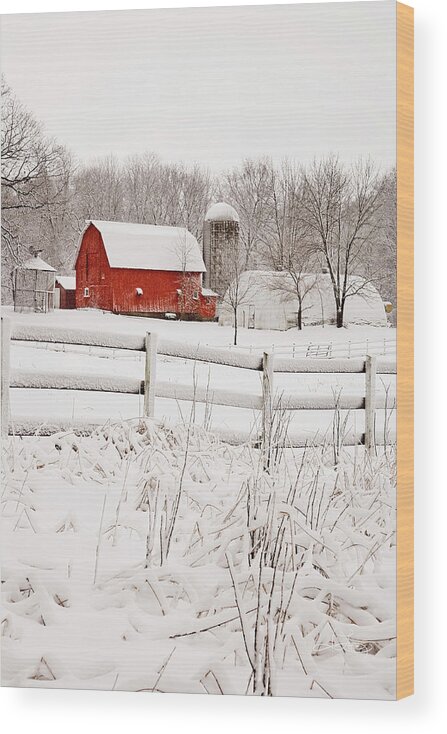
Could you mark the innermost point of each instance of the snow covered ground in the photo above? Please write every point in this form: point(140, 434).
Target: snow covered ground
point(152, 556)
point(201, 332)
point(100, 407)
point(147, 559)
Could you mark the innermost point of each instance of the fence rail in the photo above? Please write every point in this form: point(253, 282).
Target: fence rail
point(330, 349)
point(196, 352)
point(268, 364)
point(217, 396)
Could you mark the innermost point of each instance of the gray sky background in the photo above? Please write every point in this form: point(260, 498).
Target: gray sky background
point(211, 85)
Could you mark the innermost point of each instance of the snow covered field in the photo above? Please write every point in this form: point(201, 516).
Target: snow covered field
point(200, 332)
point(100, 407)
point(151, 556)
point(150, 559)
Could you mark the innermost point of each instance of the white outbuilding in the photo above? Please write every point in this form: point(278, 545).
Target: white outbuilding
point(266, 301)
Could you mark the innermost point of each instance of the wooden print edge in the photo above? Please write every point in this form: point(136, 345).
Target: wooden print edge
point(405, 351)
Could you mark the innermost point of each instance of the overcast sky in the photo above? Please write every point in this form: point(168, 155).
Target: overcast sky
point(211, 85)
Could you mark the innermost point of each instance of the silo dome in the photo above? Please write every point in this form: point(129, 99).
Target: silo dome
point(221, 212)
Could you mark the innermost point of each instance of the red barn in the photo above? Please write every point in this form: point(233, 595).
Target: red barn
point(65, 292)
point(142, 269)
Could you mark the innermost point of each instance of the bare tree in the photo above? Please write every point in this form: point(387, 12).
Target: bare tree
point(100, 191)
point(281, 233)
point(166, 194)
point(340, 210)
point(29, 159)
point(285, 244)
point(57, 228)
point(194, 199)
point(188, 291)
point(141, 174)
point(247, 189)
point(386, 248)
point(241, 284)
point(295, 284)
point(35, 173)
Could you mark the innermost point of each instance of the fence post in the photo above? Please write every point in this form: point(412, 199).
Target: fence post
point(150, 372)
point(370, 402)
point(267, 407)
point(5, 374)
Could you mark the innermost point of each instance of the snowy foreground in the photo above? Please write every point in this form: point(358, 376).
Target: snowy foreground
point(150, 558)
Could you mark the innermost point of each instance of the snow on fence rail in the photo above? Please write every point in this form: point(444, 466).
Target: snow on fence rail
point(197, 352)
point(95, 382)
point(150, 388)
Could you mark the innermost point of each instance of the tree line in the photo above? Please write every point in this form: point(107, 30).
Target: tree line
point(292, 218)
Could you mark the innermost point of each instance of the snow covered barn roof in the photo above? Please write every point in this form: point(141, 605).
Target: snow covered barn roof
point(150, 247)
point(68, 282)
point(221, 212)
point(36, 263)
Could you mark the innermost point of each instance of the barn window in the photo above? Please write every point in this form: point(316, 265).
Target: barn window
point(86, 292)
point(195, 295)
point(139, 291)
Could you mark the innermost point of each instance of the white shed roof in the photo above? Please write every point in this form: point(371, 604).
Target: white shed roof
point(209, 292)
point(68, 282)
point(36, 263)
point(150, 247)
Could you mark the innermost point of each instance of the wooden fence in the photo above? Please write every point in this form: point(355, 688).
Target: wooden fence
point(267, 363)
point(328, 350)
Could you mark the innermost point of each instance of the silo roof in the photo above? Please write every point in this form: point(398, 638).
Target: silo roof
point(221, 212)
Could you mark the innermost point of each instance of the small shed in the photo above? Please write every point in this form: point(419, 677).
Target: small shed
point(65, 293)
point(34, 285)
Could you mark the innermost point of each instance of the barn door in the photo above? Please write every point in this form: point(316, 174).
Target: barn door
point(251, 316)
